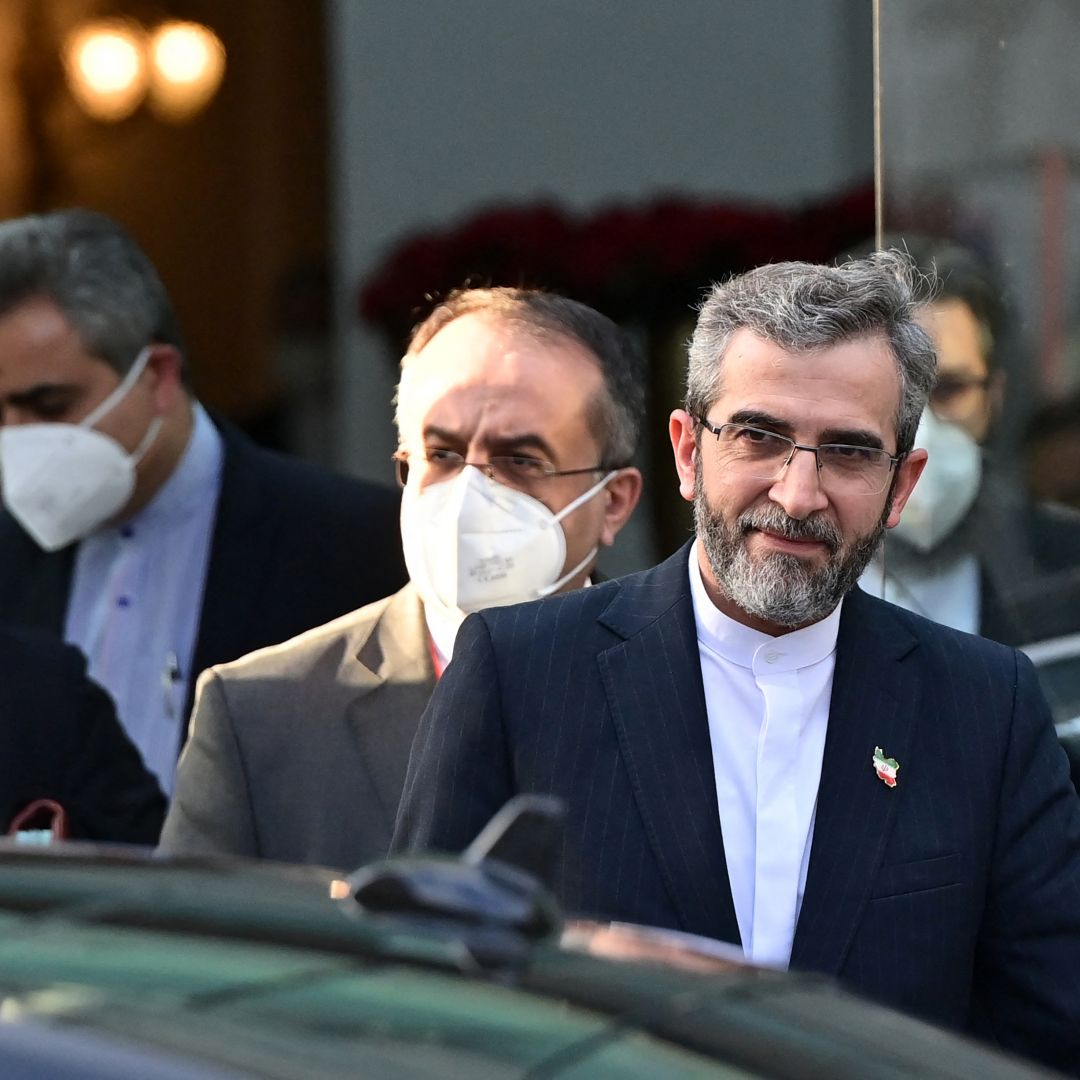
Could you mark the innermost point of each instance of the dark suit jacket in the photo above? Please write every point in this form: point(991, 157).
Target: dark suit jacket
point(964, 876)
point(61, 740)
point(1029, 555)
point(293, 547)
point(1029, 562)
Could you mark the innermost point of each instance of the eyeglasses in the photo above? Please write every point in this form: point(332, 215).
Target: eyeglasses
point(953, 393)
point(514, 470)
point(763, 455)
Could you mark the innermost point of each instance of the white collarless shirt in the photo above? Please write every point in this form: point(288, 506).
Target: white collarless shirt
point(767, 700)
point(136, 597)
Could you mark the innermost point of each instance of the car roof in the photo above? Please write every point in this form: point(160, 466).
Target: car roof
point(251, 969)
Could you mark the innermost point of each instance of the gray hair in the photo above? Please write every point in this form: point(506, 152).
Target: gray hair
point(802, 306)
point(91, 268)
point(616, 415)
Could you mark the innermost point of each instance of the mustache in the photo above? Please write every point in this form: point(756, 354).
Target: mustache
point(773, 519)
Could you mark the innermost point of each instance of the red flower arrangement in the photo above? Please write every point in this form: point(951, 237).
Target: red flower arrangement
point(645, 264)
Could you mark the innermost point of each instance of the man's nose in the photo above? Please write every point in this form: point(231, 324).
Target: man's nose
point(798, 487)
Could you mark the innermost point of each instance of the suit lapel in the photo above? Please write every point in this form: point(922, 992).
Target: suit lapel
point(238, 559)
point(1005, 557)
point(653, 683)
point(874, 704)
point(394, 679)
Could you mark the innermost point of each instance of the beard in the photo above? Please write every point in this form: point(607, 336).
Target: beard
point(783, 589)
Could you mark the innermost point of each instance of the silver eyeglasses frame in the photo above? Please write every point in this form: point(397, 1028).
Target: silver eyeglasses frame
point(878, 454)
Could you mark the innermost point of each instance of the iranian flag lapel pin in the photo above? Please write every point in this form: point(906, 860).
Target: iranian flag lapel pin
point(885, 767)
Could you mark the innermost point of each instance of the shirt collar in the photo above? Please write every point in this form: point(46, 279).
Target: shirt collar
point(741, 644)
point(195, 478)
point(443, 625)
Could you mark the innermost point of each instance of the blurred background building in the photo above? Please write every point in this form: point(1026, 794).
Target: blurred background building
point(359, 157)
point(343, 130)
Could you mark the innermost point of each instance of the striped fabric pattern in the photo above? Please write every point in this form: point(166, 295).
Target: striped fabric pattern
point(953, 894)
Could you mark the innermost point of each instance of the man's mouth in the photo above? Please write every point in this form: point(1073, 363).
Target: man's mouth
point(777, 532)
point(794, 544)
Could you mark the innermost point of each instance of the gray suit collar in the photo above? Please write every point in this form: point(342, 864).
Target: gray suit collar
point(395, 645)
point(392, 677)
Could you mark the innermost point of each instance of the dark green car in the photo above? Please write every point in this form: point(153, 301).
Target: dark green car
point(122, 965)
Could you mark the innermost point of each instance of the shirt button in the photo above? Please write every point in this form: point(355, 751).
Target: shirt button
point(123, 601)
point(127, 532)
point(771, 657)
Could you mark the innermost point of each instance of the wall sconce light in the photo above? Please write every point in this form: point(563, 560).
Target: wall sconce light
point(186, 68)
point(113, 64)
point(106, 67)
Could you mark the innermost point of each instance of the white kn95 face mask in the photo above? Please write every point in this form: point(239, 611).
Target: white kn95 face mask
point(947, 487)
point(473, 543)
point(61, 481)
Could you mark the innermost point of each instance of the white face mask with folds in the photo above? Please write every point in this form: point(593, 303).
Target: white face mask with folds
point(61, 481)
point(947, 487)
point(473, 543)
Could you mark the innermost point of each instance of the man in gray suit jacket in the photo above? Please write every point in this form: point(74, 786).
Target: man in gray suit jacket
point(518, 415)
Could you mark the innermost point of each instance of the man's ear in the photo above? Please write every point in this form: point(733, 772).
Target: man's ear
point(684, 445)
point(167, 384)
point(907, 474)
point(623, 492)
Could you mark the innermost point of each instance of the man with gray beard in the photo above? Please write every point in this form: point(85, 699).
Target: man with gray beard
point(782, 587)
point(751, 748)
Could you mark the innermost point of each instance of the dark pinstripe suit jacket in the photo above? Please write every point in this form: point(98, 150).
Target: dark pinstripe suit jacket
point(955, 895)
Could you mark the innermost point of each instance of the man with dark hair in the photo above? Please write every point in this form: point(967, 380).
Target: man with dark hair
point(965, 317)
point(973, 551)
point(155, 538)
point(749, 747)
point(518, 413)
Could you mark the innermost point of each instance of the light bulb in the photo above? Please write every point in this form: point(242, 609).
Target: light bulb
point(187, 66)
point(105, 67)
